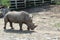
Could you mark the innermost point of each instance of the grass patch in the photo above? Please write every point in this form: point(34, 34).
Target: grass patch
point(57, 25)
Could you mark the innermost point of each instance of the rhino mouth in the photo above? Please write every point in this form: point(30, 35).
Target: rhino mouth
point(33, 28)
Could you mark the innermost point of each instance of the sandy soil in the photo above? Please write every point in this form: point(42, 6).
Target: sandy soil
point(47, 29)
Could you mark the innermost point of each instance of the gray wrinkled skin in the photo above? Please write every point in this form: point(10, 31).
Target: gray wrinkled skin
point(19, 17)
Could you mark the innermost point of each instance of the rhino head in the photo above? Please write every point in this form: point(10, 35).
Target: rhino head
point(33, 26)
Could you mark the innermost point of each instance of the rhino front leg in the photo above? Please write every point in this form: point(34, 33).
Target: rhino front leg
point(28, 29)
point(11, 25)
point(20, 24)
point(28, 26)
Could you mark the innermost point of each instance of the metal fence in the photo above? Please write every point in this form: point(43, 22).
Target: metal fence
point(18, 4)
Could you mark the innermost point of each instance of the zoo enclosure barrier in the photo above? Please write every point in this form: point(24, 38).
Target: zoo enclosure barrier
point(18, 4)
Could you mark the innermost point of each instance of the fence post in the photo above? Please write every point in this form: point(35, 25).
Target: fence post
point(25, 3)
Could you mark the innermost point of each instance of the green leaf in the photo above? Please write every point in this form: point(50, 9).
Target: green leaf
point(5, 3)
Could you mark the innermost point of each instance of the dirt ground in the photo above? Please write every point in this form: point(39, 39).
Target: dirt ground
point(48, 20)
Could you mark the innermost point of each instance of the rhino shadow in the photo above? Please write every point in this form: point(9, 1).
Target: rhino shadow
point(18, 31)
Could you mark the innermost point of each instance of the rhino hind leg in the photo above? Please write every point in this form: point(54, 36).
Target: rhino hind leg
point(5, 25)
point(11, 25)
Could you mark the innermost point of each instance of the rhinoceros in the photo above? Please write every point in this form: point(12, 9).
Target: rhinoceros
point(21, 17)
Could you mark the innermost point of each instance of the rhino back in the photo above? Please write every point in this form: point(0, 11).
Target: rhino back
point(18, 16)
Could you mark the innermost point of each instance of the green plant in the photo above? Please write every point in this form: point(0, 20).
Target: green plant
point(58, 3)
point(5, 3)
